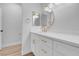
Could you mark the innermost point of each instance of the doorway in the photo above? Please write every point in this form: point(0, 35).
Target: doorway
point(12, 25)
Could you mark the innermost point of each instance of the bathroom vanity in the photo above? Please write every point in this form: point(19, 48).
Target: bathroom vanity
point(49, 43)
point(54, 44)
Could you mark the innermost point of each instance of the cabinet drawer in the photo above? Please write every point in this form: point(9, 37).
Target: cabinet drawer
point(41, 46)
point(46, 41)
point(45, 51)
point(42, 40)
point(35, 46)
point(66, 49)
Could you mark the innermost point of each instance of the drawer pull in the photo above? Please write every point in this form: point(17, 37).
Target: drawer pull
point(43, 50)
point(33, 41)
point(44, 41)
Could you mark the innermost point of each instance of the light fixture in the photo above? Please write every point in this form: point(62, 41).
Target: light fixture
point(49, 9)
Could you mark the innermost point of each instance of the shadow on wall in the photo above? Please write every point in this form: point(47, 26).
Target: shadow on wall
point(66, 19)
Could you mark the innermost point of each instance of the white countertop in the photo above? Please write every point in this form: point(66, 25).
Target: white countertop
point(70, 39)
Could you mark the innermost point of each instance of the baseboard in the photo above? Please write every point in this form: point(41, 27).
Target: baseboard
point(26, 52)
point(29, 54)
point(11, 44)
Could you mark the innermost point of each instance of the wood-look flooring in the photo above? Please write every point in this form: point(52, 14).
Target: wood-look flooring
point(14, 50)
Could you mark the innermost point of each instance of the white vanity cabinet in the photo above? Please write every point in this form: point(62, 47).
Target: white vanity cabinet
point(41, 46)
point(62, 49)
point(45, 46)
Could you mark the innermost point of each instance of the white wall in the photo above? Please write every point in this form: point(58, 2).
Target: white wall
point(27, 13)
point(66, 19)
point(12, 24)
point(0, 28)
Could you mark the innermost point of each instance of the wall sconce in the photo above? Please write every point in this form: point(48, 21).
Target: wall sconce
point(49, 9)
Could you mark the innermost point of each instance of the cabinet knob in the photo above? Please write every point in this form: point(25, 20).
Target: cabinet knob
point(33, 41)
point(1, 30)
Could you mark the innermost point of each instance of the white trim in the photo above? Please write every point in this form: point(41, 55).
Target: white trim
point(0, 28)
point(25, 52)
point(11, 44)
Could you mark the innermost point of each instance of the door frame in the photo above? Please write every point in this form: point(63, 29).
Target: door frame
point(0, 28)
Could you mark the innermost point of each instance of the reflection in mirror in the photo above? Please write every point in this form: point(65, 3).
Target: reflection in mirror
point(44, 19)
point(35, 18)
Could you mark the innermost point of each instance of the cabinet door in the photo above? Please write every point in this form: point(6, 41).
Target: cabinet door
point(35, 42)
point(65, 49)
point(45, 51)
point(57, 53)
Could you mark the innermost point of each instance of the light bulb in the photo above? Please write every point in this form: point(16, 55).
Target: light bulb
point(50, 5)
point(46, 9)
